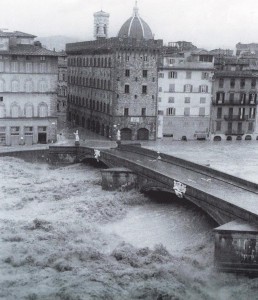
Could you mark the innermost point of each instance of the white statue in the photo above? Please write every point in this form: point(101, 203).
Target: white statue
point(118, 135)
point(77, 139)
point(96, 154)
point(179, 189)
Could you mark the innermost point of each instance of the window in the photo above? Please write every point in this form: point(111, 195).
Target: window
point(242, 98)
point(159, 99)
point(172, 74)
point(14, 57)
point(250, 126)
point(143, 111)
point(252, 111)
point(232, 82)
point(145, 58)
point(202, 100)
point(202, 111)
point(160, 89)
point(14, 66)
point(205, 75)
point(171, 61)
point(219, 113)
point(187, 111)
point(187, 99)
point(127, 58)
point(42, 68)
point(242, 83)
point(126, 111)
point(153, 79)
point(127, 73)
point(145, 73)
point(42, 57)
point(28, 67)
point(188, 88)
point(220, 96)
point(203, 89)
point(1, 99)
point(144, 89)
point(172, 88)
point(231, 97)
point(1, 66)
point(218, 126)
point(221, 82)
point(252, 98)
point(188, 75)
point(171, 111)
point(127, 89)
point(171, 100)
point(161, 75)
point(253, 83)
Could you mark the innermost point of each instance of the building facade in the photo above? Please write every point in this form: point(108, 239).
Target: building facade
point(28, 96)
point(184, 95)
point(112, 85)
point(62, 90)
point(112, 82)
point(234, 105)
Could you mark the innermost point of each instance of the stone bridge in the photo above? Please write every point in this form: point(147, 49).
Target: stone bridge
point(231, 201)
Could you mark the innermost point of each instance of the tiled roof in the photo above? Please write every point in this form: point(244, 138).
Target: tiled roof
point(16, 34)
point(191, 66)
point(29, 50)
point(239, 74)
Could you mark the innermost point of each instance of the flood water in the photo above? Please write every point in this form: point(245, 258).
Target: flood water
point(63, 237)
point(164, 219)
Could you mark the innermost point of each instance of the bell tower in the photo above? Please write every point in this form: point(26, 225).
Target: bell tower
point(101, 23)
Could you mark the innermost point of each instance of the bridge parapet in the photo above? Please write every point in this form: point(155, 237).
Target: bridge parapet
point(192, 166)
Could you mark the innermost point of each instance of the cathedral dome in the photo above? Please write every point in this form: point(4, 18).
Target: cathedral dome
point(135, 27)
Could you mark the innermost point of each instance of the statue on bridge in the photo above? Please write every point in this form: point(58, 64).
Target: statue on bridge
point(77, 138)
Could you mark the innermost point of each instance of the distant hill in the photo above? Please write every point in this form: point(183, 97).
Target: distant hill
point(56, 42)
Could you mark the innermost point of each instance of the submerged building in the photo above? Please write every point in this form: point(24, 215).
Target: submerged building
point(28, 90)
point(112, 82)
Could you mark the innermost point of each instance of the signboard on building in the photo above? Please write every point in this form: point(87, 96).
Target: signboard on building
point(135, 120)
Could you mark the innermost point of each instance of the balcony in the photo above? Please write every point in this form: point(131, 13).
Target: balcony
point(234, 132)
point(234, 103)
point(235, 118)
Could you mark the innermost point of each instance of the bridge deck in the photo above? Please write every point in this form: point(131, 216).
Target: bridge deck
point(237, 196)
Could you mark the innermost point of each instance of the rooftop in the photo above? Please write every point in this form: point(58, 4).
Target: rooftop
point(16, 34)
point(21, 49)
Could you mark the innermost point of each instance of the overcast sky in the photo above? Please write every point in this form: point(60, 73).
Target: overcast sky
point(205, 23)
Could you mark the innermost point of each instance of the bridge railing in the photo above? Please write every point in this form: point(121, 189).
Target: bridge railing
point(213, 173)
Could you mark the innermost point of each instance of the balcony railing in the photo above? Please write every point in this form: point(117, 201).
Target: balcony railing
point(235, 117)
point(234, 103)
point(234, 132)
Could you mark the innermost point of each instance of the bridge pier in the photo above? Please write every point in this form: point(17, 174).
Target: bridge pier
point(118, 179)
point(236, 247)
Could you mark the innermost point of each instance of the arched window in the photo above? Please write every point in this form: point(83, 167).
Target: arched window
point(28, 87)
point(42, 86)
point(28, 111)
point(15, 86)
point(43, 110)
point(2, 111)
point(15, 111)
point(1, 86)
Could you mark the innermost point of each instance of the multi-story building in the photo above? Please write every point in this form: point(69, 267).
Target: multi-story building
point(184, 95)
point(112, 83)
point(28, 96)
point(234, 104)
point(62, 90)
